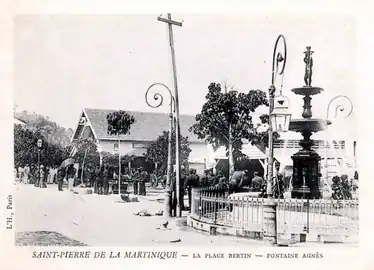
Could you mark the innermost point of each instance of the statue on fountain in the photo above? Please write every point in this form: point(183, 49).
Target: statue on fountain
point(308, 60)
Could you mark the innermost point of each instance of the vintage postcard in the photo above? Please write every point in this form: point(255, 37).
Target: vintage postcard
point(184, 137)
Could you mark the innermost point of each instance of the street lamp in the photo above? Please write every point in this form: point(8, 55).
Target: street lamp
point(39, 144)
point(339, 107)
point(279, 115)
point(157, 96)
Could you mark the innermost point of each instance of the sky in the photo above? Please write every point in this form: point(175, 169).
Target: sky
point(63, 63)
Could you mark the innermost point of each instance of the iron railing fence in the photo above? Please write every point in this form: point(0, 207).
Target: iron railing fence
point(215, 206)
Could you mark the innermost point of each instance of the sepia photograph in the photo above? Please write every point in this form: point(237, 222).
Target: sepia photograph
point(185, 130)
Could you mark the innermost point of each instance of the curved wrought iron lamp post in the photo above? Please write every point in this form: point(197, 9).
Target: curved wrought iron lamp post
point(339, 107)
point(158, 97)
point(278, 67)
point(39, 144)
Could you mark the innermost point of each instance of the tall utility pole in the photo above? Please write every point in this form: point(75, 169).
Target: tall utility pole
point(170, 23)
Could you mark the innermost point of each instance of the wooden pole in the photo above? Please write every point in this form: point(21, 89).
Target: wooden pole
point(170, 23)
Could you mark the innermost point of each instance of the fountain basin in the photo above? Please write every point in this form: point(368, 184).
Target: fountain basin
point(314, 125)
point(307, 90)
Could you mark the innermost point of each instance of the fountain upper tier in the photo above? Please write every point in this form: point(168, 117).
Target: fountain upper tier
point(314, 125)
point(307, 90)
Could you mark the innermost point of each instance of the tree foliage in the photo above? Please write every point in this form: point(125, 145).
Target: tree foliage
point(341, 188)
point(112, 159)
point(86, 149)
point(26, 150)
point(119, 122)
point(51, 131)
point(226, 119)
point(157, 151)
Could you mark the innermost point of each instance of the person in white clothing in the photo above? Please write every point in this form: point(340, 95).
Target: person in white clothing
point(26, 172)
point(70, 174)
point(20, 174)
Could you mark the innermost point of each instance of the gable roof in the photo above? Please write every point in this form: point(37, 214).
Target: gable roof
point(148, 126)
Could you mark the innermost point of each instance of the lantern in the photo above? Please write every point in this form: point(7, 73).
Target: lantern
point(39, 143)
point(281, 115)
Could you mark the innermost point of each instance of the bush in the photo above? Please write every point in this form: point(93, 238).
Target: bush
point(341, 188)
point(278, 187)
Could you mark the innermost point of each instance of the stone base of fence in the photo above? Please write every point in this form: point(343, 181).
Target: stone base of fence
point(282, 239)
point(214, 229)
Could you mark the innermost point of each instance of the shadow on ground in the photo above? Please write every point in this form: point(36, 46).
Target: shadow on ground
point(44, 238)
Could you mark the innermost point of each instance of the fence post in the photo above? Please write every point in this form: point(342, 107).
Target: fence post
point(200, 204)
point(192, 206)
point(270, 222)
point(215, 208)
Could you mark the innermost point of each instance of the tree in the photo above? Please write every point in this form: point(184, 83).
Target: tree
point(86, 152)
point(157, 151)
point(225, 120)
point(119, 123)
point(112, 159)
point(51, 131)
point(26, 150)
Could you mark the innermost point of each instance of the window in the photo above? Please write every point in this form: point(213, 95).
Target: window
point(82, 121)
point(115, 147)
point(139, 145)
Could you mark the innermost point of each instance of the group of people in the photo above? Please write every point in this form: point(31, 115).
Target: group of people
point(42, 175)
point(104, 179)
point(29, 174)
point(239, 181)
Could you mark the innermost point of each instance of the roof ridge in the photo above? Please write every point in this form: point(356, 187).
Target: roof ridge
point(148, 125)
point(192, 115)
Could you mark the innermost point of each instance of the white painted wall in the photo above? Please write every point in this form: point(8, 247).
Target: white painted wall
point(199, 152)
point(108, 146)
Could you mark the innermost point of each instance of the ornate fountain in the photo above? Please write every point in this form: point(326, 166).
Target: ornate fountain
point(306, 162)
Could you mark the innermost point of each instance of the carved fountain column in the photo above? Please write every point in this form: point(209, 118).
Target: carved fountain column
point(306, 176)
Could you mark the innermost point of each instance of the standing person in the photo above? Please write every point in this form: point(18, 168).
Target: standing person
point(141, 181)
point(36, 176)
point(26, 173)
point(20, 173)
point(54, 174)
point(70, 174)
point(235, 180)
point(60, 178)
point(181, 189)
point(144, 177)
point(97, 179)
point(257, 182)
point(135, 178)
point(153, 177)
point(49, 175)
point(55, 178)
point(40, 176)
point(100, 181)
point(192, 180)
point(45, 178)
point(245, 181)
point(106, 180)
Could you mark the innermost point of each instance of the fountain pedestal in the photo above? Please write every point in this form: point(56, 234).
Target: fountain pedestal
point(306, 162)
